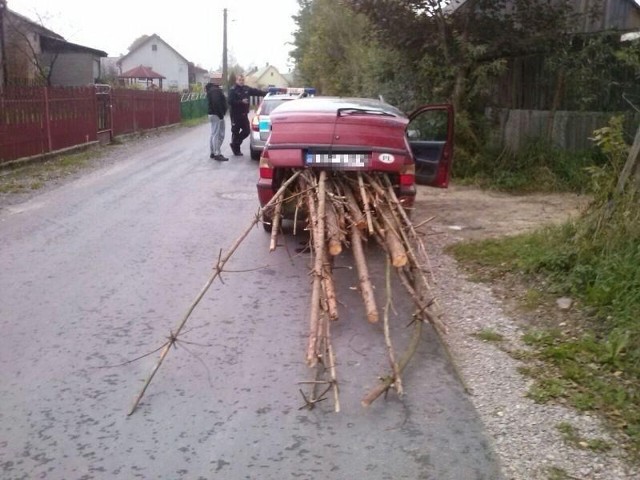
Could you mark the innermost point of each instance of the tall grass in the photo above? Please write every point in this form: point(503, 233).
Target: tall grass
point(537, 167)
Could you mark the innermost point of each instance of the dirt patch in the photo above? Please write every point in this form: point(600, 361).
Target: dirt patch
point(469, 213)
point(462, 213)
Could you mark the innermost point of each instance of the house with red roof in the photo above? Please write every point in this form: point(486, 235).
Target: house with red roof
point(142, 75)
point(158, 63)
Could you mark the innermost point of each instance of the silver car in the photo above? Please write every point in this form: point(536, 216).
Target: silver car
point(261, 124)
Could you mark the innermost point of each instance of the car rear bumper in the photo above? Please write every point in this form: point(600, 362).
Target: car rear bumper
point(265, 191)
point(256, 143)
point(406, 194)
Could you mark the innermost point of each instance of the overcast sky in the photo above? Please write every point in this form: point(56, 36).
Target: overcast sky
point(256, 34)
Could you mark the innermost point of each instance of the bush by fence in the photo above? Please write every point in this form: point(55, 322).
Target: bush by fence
point(193, 105)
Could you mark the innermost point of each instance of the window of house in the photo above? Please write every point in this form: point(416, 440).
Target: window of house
point(154, 47)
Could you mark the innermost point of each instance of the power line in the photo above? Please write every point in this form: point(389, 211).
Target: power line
point(225, 80)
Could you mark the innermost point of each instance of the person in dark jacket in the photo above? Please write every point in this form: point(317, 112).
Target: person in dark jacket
point(217, 105)
point(239, 106)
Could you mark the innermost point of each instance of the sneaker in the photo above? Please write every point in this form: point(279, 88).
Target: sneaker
point(212, 156)
point(221, 158)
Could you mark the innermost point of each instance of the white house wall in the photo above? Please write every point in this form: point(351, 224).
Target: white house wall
point(163, 61)
point(270, 77)
point(273, 77)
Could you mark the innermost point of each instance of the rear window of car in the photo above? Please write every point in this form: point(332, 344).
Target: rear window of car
point(269, 104)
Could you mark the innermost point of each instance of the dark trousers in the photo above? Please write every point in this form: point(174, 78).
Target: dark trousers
point(240, 130)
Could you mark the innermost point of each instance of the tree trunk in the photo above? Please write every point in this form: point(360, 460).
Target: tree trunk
point(629, 178)
point(334, 233)
point(355, 213)
point(318, 232)
point(366, 289)
point(329, 287)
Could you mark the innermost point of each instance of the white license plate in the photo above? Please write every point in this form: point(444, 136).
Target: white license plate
point(338, 160)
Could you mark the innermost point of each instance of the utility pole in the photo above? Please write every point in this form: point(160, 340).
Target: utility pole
point(3, 51)
point(225, 76)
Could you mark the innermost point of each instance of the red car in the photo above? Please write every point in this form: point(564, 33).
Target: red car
point(354, 134)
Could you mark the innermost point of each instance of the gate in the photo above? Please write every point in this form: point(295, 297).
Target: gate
point(105, 118)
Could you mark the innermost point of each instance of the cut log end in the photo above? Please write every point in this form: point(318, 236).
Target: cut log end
point(335, 248)
point(399, 261)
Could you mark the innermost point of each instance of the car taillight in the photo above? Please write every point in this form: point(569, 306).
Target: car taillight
point(266, 172)
point(407, 180)
point(265, 169)
point(407, 175)
point(255, 123)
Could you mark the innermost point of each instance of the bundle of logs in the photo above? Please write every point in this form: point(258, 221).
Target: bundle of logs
point(342, 209)
point(345, 209)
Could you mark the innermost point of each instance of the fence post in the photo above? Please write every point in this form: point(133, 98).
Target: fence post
point(47, 119)
point(134, 101)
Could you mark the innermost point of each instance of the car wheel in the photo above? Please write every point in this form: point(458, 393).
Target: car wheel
point(267, 223)
point(255, 154)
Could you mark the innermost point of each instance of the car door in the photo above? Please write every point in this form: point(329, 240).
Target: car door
point(430, 135)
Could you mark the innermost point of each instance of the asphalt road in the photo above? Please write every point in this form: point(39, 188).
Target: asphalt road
point(97, 273)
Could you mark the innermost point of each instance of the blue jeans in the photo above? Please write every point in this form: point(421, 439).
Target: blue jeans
point(217, 134)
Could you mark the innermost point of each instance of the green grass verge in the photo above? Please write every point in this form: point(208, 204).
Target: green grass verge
point(488, 335)
point(572, 437)
point(33, 176)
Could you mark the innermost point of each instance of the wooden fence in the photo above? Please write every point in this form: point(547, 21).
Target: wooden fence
point(39, 120)
point(565, 130)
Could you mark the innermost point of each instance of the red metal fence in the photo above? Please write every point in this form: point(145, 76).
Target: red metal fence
point(135, 110)
point(38, 120)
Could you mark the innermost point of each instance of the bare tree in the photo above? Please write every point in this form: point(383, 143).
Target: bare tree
point(24, 57)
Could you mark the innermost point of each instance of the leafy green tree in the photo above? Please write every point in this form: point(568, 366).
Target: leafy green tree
point(459, 53)
point(336, 51)
point(330, 47)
